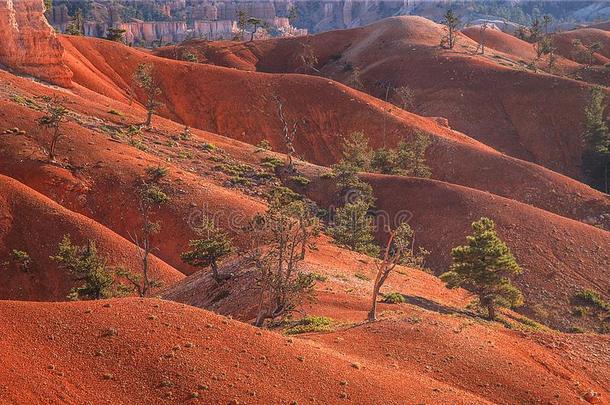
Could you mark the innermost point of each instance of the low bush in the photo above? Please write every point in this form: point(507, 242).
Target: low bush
point(311, 324)
point(393, 298)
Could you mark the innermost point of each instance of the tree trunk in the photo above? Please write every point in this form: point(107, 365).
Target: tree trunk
point(148, 118)
point(215, 273)
point(373, 312)
point(491, 311)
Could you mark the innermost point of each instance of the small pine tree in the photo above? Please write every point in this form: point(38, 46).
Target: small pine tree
point(207, 251)
point(596, 136)
point(354, 228)
point(55, 114)
point(85, 264)
point(355, 151)
point(115, 34)
point(384, 161)
point(451, 22)
point(146, 79)
point(76, 25)
point(411, 156)
point(483, 266)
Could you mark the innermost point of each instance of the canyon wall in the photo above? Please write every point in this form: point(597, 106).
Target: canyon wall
point(29, 44)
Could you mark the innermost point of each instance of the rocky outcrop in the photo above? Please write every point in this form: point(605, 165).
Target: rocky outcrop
point(29, 44)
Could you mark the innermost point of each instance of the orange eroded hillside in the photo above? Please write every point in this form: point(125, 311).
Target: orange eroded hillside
point(35, 224)
point(213, 98)
point(493, 98)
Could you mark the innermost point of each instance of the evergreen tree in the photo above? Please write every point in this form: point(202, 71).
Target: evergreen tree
point(356, 152)
point(208, 250)
point(596, 136)
point(76, 26)
point(55, 115)
point(115, 34)
point(451, 22)
point(384, 161)
point(483, 266)
point(145, 78)
point(84, 263)
point(354, 228)
point(411, 156)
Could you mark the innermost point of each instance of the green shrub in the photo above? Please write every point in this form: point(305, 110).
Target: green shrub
point(300, 180)
point(319, 277)
point(362, 276)
point(311, 324)
point(22, 259)
point(115, 112)
point(156, 172)
point(234, 169)
point(576, 329)
point(263, 145)
point(208, 146)
point(580, 311)
point(271, 162)
point(591, 299)
point(393, 298)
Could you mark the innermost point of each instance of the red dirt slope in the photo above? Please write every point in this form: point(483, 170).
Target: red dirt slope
point(493, 98)
point(563, 42)
point(137, 351)
point(35, 224)
point(240, 105)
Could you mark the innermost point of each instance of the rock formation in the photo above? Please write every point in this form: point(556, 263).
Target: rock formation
point(29, 44)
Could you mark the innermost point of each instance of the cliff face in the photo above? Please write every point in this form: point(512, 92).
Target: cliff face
point(29, 44)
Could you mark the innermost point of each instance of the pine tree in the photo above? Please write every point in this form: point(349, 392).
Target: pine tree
point(55, 115)
point(85, 264)
point(596, 136)
point(145, 78)
point(354, 228)
point(76, 26)
point(411, 156)
point(207, 251)
point(483, 266)
point(355, 151)
point(384, 161)
point(451, 22)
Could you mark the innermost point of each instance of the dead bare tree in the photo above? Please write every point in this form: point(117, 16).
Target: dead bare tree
point(280, 238)
point(482, 37)
point(289, 130)
point(397, 246)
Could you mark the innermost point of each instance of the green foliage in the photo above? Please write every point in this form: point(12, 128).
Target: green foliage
point(264, 145)
point(355, 151)
point(354, 229)
point(76, 25)
point(309, 324)
point(483, 266)
point(55, 114)
point(152, 194)
point(208, 146)
point(591, 299)
point(451, 22)
point(22, 259)
point(300, 180)
point(271, 162)
point(318, 277)
point(86, 266)
point(362, 276)
point(411, 156)
point(207, 251)
point(596, 136)
point(145, 78)
point(189, 57)
point(235, 169)
point(383, 161)
point(115, 34)
point(156, 173)
point(393, 298)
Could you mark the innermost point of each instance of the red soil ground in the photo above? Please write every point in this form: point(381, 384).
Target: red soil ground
point(135, 351)
point(33, 223)
point(493, 98)
point(214, 98)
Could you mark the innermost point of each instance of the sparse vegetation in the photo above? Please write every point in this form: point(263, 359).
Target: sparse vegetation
point(483, 266)
point(353, 228)
point(596, 137)
point(146, 79)
point(115, 34)
point(393, 298)
point(55, 115)
point(285, 231)
point(87, 267)
point(451, 22)
point(213, 246)
point(591, 299)
point(309, 324)
point(21, 259)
